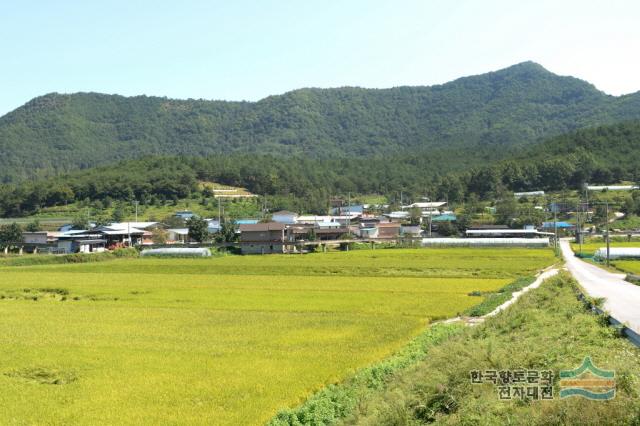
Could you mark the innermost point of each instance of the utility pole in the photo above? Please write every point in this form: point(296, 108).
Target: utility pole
point(219, 213)
point(136, 203)
point(579, 225)
point(555, 226)
point(606, 204)
point(349, 213)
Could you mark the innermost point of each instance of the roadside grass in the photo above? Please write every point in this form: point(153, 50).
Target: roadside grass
point(493, 300)
point(547, 329)
point(213, 341)
point(46, 259)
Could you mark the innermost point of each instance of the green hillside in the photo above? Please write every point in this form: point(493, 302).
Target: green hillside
point(488, 115)
point(603, 155)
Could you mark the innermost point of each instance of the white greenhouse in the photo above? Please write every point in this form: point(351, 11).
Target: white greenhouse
point(477, 242)
point(177, 252)
point(617, 252)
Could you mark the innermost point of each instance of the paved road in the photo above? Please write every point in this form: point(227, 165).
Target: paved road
point(622, 299)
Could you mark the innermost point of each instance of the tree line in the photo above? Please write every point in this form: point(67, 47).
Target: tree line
point(601, 155)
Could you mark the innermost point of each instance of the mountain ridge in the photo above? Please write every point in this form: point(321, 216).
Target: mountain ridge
point(488, 113)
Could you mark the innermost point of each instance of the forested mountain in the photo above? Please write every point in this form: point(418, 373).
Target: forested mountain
point(599, 155)
point(603, 155)
point(476, 118)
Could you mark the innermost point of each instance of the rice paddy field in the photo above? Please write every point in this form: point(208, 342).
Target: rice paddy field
point(226, 340)
point(589, 247)
point(629, 266)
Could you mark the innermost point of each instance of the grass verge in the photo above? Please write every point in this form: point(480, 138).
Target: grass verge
point(30, 260)
point(493, 300)
point(547, 329)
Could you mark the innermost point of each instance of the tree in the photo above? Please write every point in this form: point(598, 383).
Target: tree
point(506, 209)
point(415, 215)
point(198, 229)
point(33, 226)
point(446, 229)
point(80, 222)
point(159, 236)
point(174, 221)
point(227, 232)
point(10, 234)
point(118, 214)
point(463, 222)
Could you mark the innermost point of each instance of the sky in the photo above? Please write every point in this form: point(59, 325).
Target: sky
point(247, 50)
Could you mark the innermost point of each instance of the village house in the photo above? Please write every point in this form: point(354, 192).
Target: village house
point(39, 237)
point(411, 231)
point(367, 229)
point(177, 235)
point(354, 210)
point(262, 238)
point(120, 234)
point(81, 242)
point(389, 230)
point(427, 207)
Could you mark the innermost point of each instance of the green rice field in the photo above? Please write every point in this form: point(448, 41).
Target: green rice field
point(226, 340)
point(591, 246)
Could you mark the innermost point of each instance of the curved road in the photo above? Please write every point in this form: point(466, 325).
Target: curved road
point(622, 299)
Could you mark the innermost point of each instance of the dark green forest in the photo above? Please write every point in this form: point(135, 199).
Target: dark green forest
point(602, 155)
point(436, 129)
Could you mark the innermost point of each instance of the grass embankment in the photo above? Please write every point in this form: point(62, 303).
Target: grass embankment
point(338, 401)
point(547, 329)
point(228, 340)
point(47, 259)
point(493, 300)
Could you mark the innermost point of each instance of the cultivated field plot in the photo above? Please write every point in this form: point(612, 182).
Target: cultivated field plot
point(225, 340)
point(628, 266)
point(590, 247)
